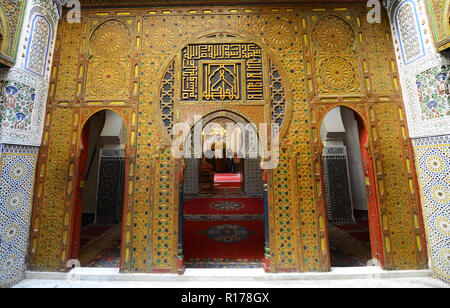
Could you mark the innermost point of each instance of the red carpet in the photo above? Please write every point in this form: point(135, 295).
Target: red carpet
point(224, 206)
point(363, 236)
point(108, 257)
point(227, 180)
point(360, 231)
point(223, 232)
point(92, 232)
point(223, 240)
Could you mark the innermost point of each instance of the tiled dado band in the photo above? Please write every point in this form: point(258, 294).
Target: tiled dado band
point(433, 166)
point(17, 173)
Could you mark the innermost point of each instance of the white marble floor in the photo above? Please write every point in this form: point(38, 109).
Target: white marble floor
point(354, 283)
point(364, 277)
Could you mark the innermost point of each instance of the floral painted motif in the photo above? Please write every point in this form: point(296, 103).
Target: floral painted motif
point(16, 107)
point(228, 234)
point(421, 122)
point(434, 92)
point(227, 206)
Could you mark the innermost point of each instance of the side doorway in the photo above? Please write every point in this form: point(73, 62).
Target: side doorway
point(98, 205)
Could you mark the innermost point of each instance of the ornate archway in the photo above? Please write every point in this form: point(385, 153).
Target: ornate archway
point(252, 171)
point(110, 181)
point(370, 181)
point(221, 74)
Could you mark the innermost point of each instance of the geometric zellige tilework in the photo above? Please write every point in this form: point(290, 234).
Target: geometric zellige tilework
point(433, 165)
point(16, 190)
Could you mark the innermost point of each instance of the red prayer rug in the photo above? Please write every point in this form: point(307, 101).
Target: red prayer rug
point(207, 241)
point(224, 206)
point(359, 231)
point(93, 232)
point(108, 257)
point(223, 233)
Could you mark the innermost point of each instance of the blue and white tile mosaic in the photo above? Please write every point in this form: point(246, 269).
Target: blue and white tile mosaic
point(433, 167)
point(38, 46)
point(425, 84)
point(410, 36)
point(23, 98)
point(17, 173)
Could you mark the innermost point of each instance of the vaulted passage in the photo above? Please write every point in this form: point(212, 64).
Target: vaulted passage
point(97, 226)
point(223, 224)
point(343, 134)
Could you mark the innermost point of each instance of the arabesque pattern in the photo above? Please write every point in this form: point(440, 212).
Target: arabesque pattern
point(109, 62)
point(337, 72)
point(433, 156)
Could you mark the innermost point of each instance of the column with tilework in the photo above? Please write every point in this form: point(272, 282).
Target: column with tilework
point(424, 66)
point(24, 82)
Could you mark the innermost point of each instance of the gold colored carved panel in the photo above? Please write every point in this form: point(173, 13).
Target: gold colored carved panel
point(337, 68)
point(398, 190)
point(51, 221)
point(11, 19)
point(68, 72)
point(109, 64)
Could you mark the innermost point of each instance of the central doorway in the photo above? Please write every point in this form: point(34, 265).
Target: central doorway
point(223, 205)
